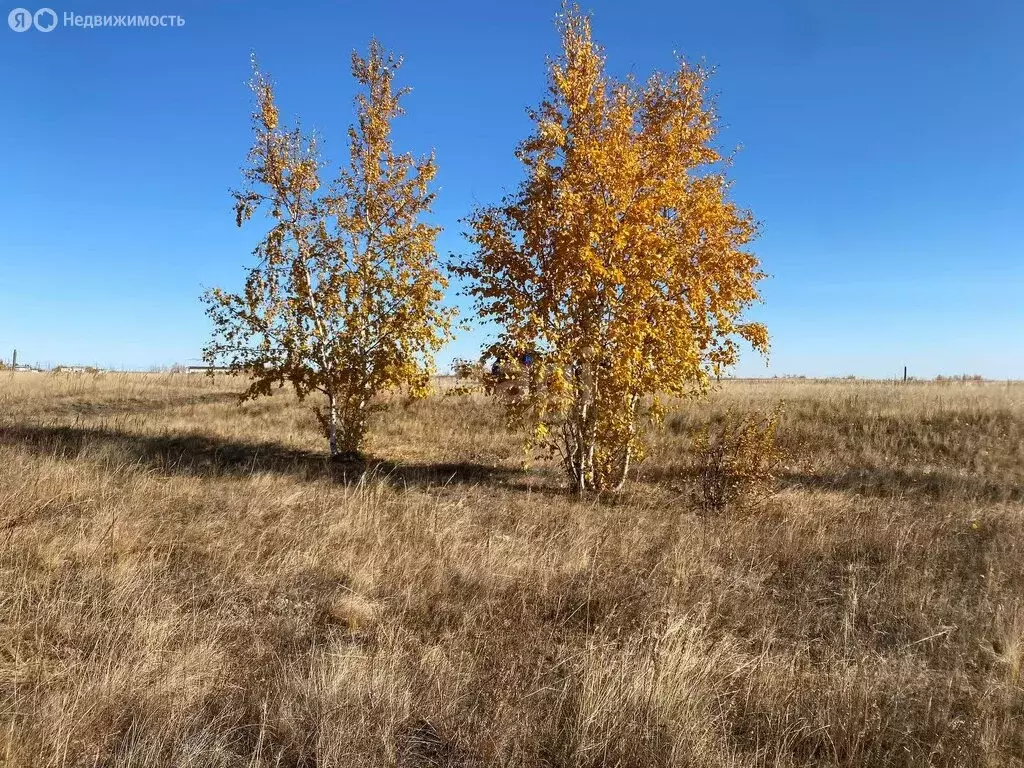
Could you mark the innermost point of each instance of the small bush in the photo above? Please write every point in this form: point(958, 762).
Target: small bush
point(736, 461)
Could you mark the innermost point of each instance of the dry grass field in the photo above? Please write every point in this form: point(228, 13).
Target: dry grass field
point(190, 583)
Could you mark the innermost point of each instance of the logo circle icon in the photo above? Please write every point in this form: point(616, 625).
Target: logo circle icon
point(20, 20)
point(45, 20)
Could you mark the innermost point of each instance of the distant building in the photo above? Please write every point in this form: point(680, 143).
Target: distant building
point(207, 369)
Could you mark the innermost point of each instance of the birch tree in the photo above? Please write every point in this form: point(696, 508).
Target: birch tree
point(619, 264)
point(344, 301)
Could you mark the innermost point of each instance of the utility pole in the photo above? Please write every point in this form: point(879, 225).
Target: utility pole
point(14, 360)
point(904, 374)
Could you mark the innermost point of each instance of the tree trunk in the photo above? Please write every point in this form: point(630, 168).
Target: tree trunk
point(332, 423)
point(348, 428)
point(591, 461)
point(625, 470)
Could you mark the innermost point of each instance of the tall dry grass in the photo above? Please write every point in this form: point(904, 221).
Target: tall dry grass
point(187, 583)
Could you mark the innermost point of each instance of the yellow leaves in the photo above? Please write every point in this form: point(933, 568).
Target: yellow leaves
point(620, 254)
point(756, 334)
point(552, 133)
point(305, 176)
point(268, 110)
point(344, 299)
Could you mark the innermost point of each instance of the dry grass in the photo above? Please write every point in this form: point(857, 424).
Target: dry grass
point(190, 584)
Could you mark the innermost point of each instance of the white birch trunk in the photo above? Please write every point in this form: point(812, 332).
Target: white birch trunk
point(332, 424)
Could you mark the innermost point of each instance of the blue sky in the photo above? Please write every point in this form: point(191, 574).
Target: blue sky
point(883, 152)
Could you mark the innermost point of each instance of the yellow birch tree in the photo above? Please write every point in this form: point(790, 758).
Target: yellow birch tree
point(345, 298)
point(619, 266)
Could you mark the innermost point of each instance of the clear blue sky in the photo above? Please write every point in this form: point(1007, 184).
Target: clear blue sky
point(883, 152)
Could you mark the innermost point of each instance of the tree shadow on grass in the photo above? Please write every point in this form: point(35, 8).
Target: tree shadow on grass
point(886, 482)
point(204, 456)
point(138, 405)
point(873, 482)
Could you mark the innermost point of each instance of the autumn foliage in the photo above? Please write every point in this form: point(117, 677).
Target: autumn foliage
point(619, 264)
point(345, 297)
point(736, 461)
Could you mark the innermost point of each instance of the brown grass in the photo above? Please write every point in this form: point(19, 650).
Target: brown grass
point(187, 583)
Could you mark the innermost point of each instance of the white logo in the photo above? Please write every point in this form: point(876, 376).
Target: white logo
point(45, 19)
point(20, 20)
